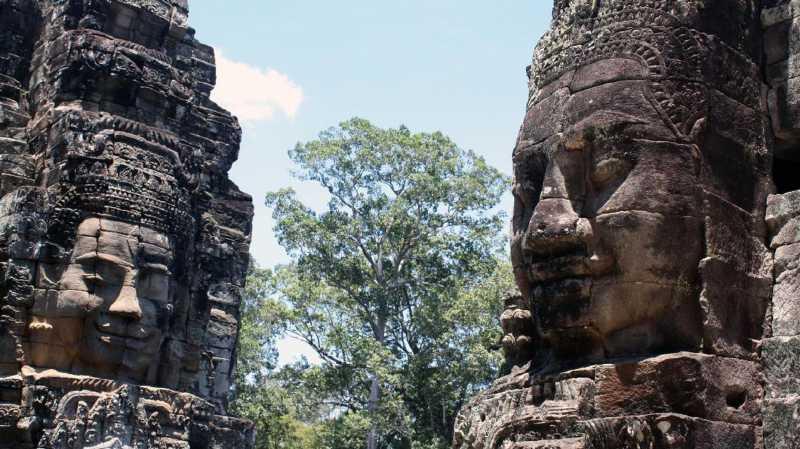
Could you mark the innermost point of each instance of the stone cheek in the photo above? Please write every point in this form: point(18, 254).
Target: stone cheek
point(124, 244)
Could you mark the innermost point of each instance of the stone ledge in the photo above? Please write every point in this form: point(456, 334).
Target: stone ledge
point(781, 210)
point(773, 16)
point(655, 431)
point(698, 386)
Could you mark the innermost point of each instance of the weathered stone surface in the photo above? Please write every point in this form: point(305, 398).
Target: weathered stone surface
point(781, 358)
point(124, 245)
point(781, 209)
point(646, 137)
point(780, 423)
point(683, 395)
point(786, 304)
point(782, 49)
point(655, 133)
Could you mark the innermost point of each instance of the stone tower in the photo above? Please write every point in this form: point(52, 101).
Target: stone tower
point(656, 233)
point(123, 243)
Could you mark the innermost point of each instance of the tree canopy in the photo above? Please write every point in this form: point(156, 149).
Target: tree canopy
point(397, 284)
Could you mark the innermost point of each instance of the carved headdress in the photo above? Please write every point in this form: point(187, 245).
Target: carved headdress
point(120, 169)
point(679, 62)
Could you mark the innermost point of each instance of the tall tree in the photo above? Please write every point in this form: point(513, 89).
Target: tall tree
point(410, 221)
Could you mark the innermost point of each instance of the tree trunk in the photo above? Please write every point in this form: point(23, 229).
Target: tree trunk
point(372, 409)
point(375, 391)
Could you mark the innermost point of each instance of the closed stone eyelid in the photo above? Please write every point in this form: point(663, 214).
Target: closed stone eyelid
point(616, 168)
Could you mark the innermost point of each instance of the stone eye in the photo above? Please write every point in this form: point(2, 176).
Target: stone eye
point(608, 170)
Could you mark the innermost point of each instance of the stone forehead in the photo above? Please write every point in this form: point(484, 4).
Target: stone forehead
point(120, 239)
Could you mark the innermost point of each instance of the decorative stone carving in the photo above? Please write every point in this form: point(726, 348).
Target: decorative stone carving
point(123, 243)
point(657, 273)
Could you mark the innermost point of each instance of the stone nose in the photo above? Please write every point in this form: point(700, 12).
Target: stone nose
point(126, 304)
point(554, 228)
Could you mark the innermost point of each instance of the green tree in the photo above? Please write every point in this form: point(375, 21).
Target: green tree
point(464, 331)
point(409, 227)
point(259, 394)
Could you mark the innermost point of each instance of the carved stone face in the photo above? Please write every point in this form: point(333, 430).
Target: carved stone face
point(608, 242)
point(107, 313)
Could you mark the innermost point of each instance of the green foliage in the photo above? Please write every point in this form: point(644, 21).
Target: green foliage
point(257, 395)
point(260, 324)
point(397, 284)
point(466, 330)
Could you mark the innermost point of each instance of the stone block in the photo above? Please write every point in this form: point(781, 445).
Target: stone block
point(784, 108)
point(780, 11)
point(787, 258)
point(548, 109)
point(781, 360)
point(788, 234)
point(119, 227)
point(657, 431)
point(545, 407)
point(668, 431)
point(734, 305)
point(705, 401)
point(782, 208)
point(222, 329)
point(779, 42)
point(606, 71)
point(781, 71)
point(713, 388)
point(786, 304)
point(736, 236)
point(781, 423)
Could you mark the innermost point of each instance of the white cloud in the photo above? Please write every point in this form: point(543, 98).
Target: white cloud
point(254, 94)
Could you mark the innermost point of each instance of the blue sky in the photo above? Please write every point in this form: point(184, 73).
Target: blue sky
point(290, 69)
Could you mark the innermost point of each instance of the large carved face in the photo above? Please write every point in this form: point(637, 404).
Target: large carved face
point(607, 243)
point(638, 171)
point(107, 312)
